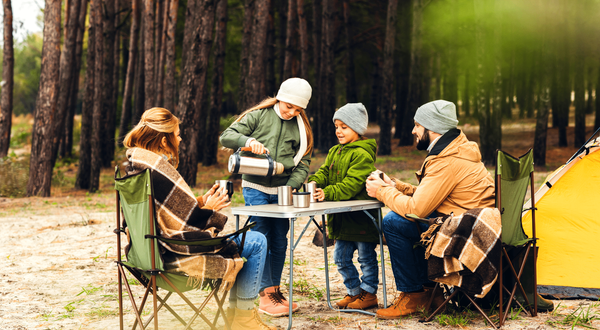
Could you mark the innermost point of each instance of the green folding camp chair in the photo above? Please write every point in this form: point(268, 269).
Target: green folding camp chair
point(513, 176)
point(134, 196)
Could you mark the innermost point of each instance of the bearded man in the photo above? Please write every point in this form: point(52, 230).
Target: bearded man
point(452, 179)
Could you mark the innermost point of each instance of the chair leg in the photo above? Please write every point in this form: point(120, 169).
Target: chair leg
point(482, 312)
point(441, 306)
point(135, 309)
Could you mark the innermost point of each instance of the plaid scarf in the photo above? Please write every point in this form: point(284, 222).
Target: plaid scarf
point(180, 217)
point(466, 250)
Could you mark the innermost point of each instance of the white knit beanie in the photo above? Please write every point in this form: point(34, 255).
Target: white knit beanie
point(355, 116)
point(437, 116)
point(296, 91)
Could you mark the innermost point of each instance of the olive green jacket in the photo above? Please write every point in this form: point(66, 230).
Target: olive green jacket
point(343, 177)
point(281, 137)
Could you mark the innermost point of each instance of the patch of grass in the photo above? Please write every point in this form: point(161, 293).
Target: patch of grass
point(580, 317)
point(453, 320)
point(14, 174)
point(386, 159)
point(102, 311)
point(303, 287)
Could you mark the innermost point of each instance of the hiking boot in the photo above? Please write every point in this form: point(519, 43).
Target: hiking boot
point(404, 304)
point(543, 305)
point(364, 300)
point(249, 320)
point(438, 299)
point(347, 299)
point(295, 307)
point(230, 315)
point(271, 303)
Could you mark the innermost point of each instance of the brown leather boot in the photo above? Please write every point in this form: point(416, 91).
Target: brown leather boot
point(347, 299)
point(249, 320)
point(364, 300)
point(295, 307)
point(405, 304)
point(271, 303)
point(230, 315)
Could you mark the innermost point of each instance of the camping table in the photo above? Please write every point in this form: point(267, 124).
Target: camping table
point(320, 208)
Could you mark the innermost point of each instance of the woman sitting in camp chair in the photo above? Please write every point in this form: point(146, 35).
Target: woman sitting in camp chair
point(154, 143)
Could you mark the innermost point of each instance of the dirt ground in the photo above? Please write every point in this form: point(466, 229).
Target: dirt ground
point(57, 265)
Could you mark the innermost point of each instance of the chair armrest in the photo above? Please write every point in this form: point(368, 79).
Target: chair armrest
point(204, 241)
point(415, 218)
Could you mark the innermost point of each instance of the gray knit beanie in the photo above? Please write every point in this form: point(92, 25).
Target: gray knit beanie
point(437, 116)
point(354, 115)
point(296, 91)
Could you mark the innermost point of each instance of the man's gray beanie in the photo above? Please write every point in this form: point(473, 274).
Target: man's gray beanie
point(354, 115)
point(437, 116)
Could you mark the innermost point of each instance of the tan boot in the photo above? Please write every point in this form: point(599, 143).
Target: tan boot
point(230, 315)
point(405, 304)
point(249, 320)
point(347, 299)
point(364, 300)
point(295, 307)
point(271, 303)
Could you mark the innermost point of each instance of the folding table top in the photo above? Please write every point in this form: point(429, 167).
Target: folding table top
point(277, 211)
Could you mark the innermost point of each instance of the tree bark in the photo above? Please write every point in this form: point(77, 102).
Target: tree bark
point(40, 164)
point(414, 85)
point(303, 34)
point(579, 86)
point(270, 84)
point(99, 95)
point(170, 60)
point(290, 37)
point(160, 71)
point(245, 57)
point(129, 77)
point(387, 81)
point(282, 12)
point(149, 82)
point(109, 84)
point(189, 109)
point(216, 99)
point(255, 86)
point(327, 81)
point(82, 180)
point(66, 73)
point(351, 95)
point(314, 105)
point(8, 67)
point(403, 65)
point(138, 85)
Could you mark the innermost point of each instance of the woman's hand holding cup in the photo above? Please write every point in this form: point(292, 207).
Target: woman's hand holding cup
point(218, 201)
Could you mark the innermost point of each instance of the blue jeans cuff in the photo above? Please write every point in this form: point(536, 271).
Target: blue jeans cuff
point(368, 288)
point(354, 292)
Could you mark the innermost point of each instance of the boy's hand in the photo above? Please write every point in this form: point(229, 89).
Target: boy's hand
point(319, 194)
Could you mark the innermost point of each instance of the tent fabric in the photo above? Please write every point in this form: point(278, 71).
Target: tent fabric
point(568, 224)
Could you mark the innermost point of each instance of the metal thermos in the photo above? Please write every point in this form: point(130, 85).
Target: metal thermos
point(284, 196)
point(301, 199)
point(311, 187)
point(252, 165)
point(228, 187)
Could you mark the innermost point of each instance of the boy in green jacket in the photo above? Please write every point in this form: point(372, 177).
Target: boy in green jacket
point(343, 177)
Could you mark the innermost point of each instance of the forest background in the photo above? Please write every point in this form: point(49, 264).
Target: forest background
point(98, 64)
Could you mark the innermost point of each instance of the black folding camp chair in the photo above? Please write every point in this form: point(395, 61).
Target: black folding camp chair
point(134, 197)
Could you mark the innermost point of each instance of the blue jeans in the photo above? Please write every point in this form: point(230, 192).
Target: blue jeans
point(275, 230)
point(248, 279)
point(408, 263)
point(367, 257)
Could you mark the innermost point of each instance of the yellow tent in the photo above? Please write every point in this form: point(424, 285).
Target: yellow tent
point(568, 223)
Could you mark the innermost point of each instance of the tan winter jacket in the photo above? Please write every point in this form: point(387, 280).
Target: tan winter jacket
point(452, 179)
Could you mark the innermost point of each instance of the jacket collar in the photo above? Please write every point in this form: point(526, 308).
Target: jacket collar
point(444, 141)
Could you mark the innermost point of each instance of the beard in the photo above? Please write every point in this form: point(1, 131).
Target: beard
point(424, 142)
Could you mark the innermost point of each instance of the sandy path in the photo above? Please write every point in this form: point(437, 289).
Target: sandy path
point(57, 272)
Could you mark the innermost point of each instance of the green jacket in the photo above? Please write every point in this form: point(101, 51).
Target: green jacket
point(281, 137)
point(343, 177)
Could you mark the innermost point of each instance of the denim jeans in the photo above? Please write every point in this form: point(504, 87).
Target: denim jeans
point(248, 279)
point(275, 230)
point(367, 257)
point(408, 263)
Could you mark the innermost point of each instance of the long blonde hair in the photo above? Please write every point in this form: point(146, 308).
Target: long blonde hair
point(148, 134)
point(269, 102)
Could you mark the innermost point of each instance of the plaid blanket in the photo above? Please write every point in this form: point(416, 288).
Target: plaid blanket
point(466, 250)
point(180, 217)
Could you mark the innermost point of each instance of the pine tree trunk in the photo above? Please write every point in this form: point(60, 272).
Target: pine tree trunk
point(414, 84)
point(255, 85)
point(282, 12)
point(387, 81)
point(149, 81)
point(327, 81)
point(8, 67)
point(270, 84)
point(541, 127)
point(82, 180)
point(109, 84)
point(129, 77)
point(99, 95)
point(483, 108)
point(303, 34)
point(189, 109)
point(579, 85)
point(160, 72)
point(351, 95)
point(40, 164)
point(170, 60)
point(216, 98)
point(66, 73)
point(139, 85)
point(245, 57)
point(316, 97)
point(290, 37)
point(402, 68)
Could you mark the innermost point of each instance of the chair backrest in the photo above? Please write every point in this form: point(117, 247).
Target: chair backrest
point(512, 179)
point(135, 195)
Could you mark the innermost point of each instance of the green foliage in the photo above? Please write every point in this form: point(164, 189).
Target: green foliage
point(580, 317)
point(14, 174)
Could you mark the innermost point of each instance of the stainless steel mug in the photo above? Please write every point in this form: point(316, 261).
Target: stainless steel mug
point(228, 187)
point(301, 199)
point(284, 195)
point(311, 187)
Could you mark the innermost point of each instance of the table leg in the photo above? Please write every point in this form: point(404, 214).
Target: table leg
point(237, 222)
point(291, 283)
